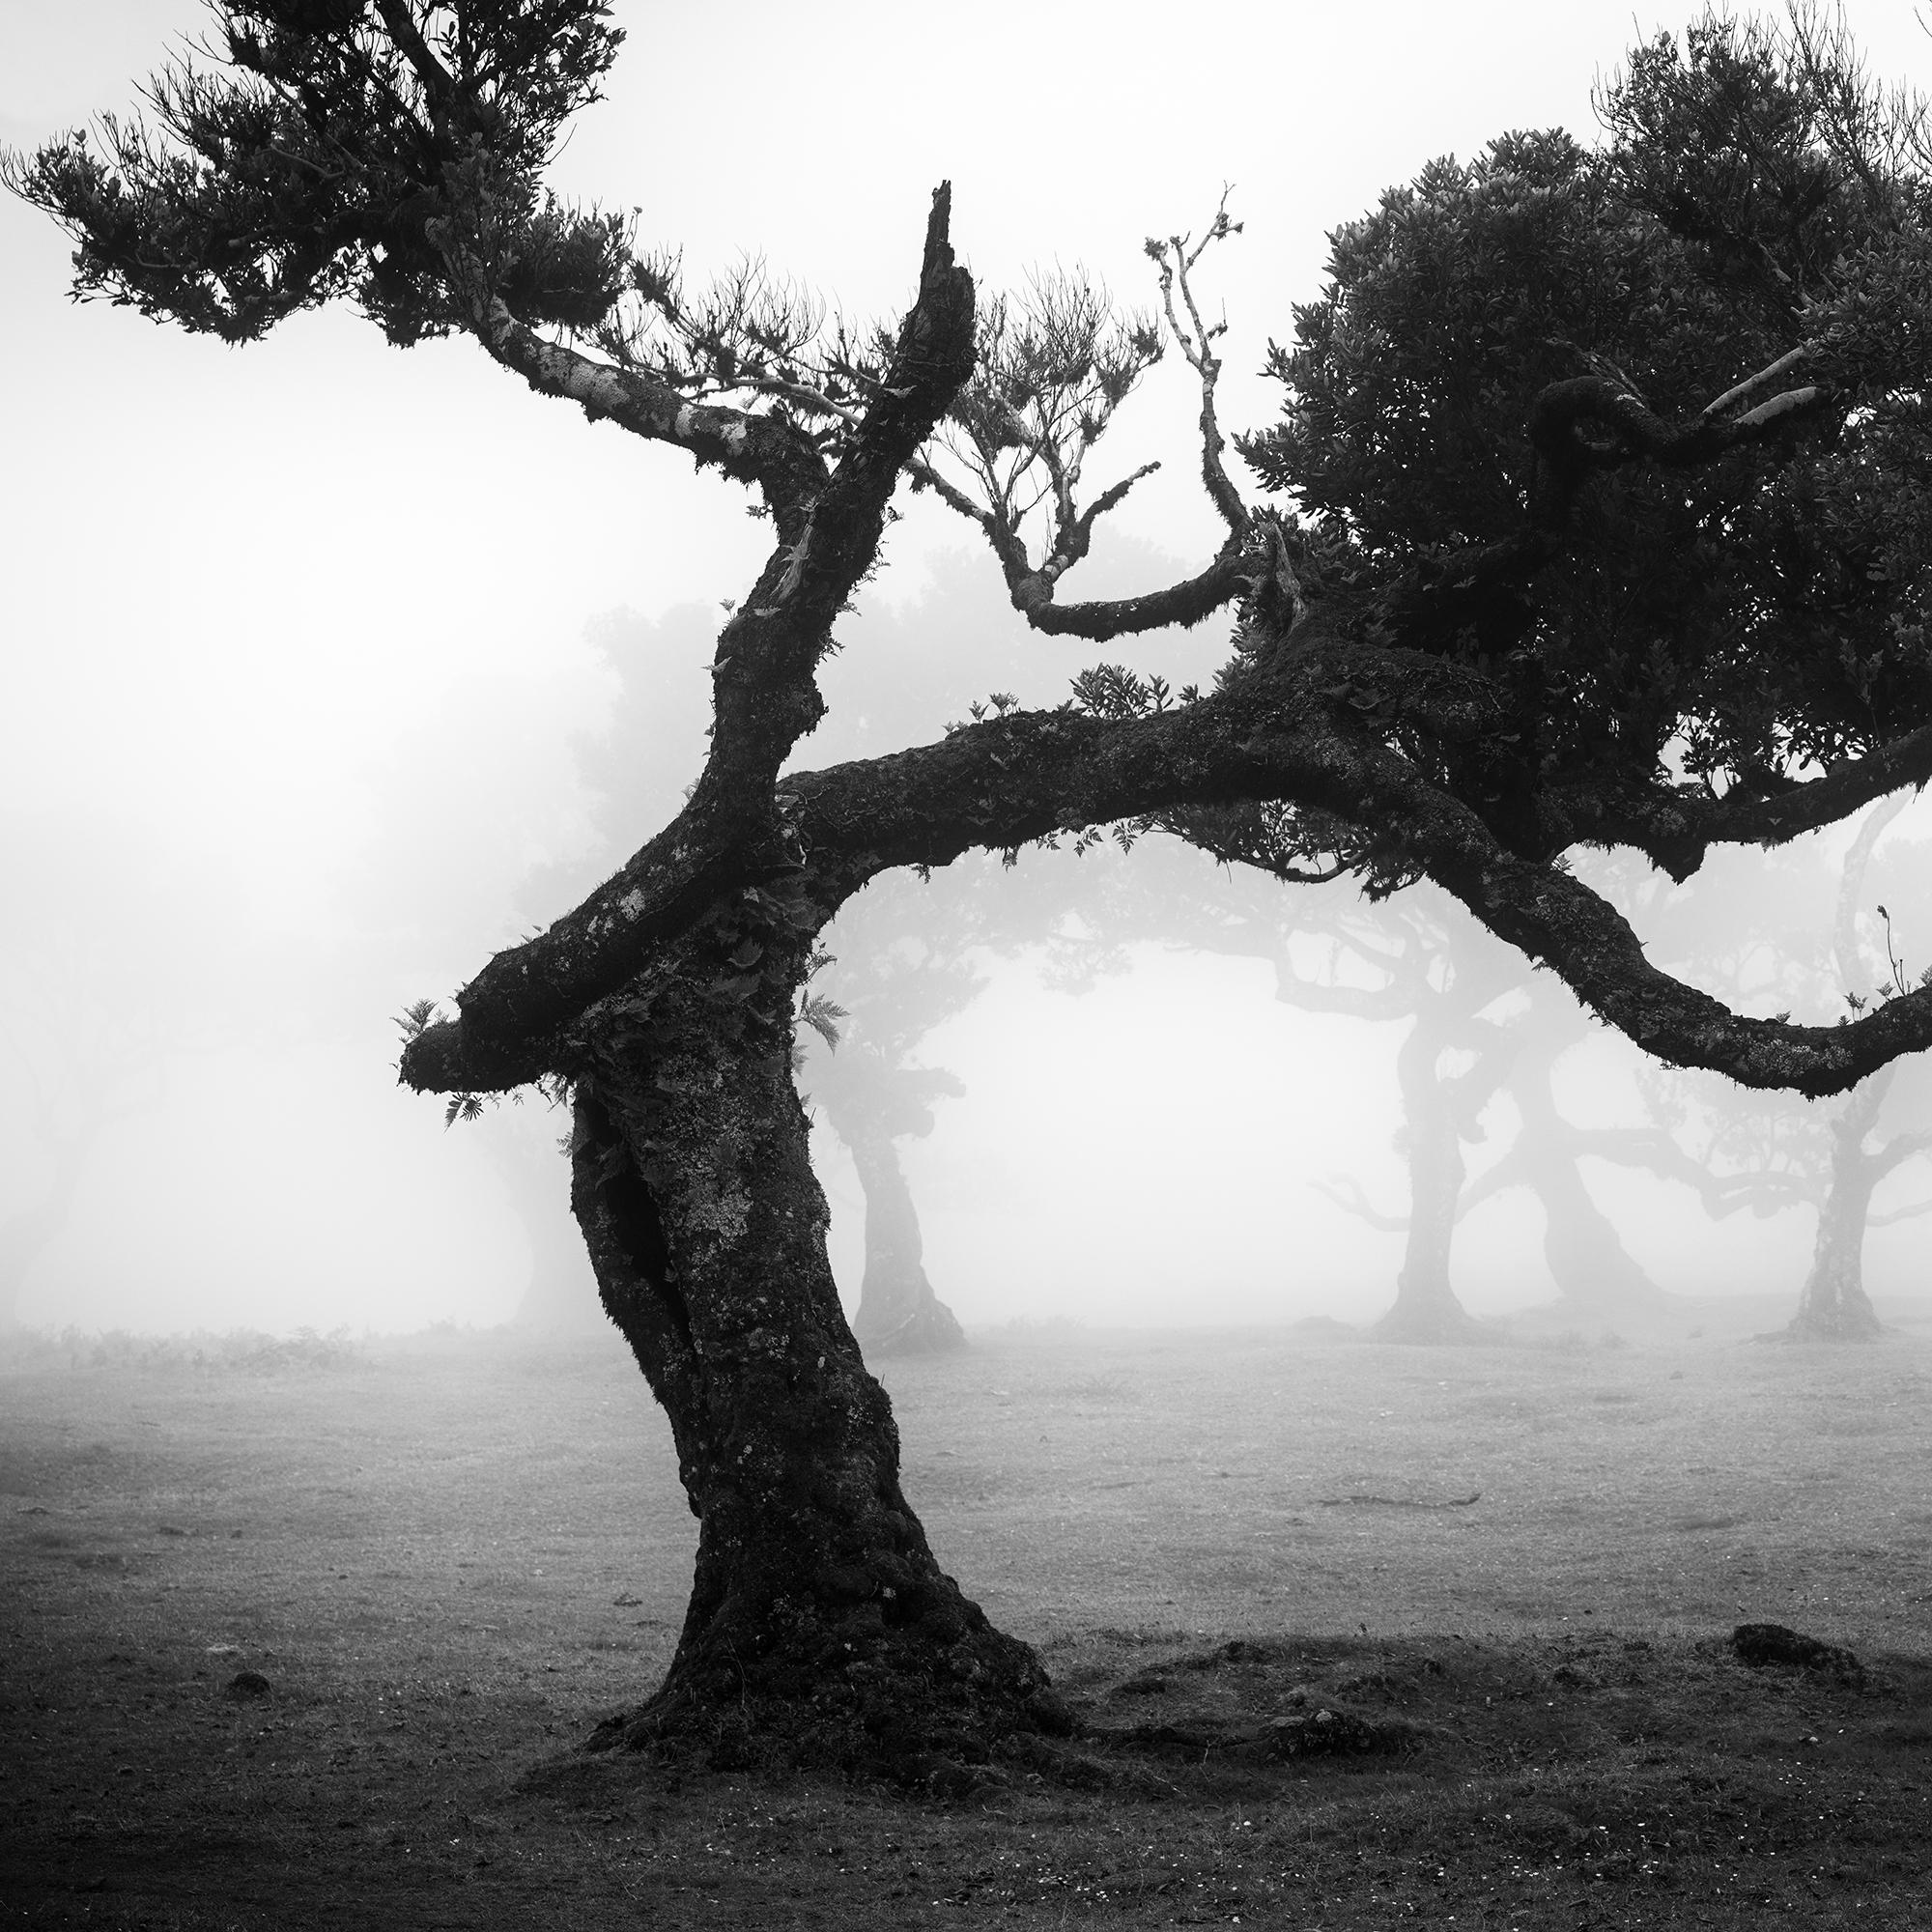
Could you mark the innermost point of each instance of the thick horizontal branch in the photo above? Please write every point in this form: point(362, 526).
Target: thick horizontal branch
point(988, 787)
point(1003, 783)
point(1008, 781)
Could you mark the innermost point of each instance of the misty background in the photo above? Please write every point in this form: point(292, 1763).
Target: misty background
point(330, 670)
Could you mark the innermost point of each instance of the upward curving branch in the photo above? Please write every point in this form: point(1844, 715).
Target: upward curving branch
point(1175, 260)
point(1094, 367)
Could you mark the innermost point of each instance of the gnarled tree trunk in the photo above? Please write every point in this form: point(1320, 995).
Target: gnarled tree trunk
point(821, 1624)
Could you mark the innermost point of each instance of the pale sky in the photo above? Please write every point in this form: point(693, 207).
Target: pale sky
point(301, 623)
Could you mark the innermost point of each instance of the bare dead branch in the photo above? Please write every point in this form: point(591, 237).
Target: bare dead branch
point(1176, 261)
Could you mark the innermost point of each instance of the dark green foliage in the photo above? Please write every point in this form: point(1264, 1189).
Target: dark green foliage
point(323, 155)
point(1736, 620)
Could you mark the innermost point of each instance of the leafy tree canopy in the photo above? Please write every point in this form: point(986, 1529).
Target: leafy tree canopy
point(1498, 332)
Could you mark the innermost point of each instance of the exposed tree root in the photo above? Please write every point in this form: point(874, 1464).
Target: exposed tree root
point(896, 1705)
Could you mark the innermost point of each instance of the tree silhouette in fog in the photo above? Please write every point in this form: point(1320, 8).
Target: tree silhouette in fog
point(904, 979)
point(1480, 1026)
point(1745, 1150)
point(1597, 520)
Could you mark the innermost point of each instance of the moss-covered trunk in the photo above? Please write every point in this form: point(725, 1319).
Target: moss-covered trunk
point(898, 1312)
point(1834, 1305)
point(820, 1624)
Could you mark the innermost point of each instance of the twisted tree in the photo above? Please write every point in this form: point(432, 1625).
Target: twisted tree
point(1608, 526)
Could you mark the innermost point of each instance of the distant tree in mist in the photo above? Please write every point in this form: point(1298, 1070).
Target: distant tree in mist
point(1598, 519)
point(904, 977)
point(1833, 1304)
point(1336, 954)
point(1479, 1027)
point(1747, 1151)
point(1596, 1276)
point(1455, 1055)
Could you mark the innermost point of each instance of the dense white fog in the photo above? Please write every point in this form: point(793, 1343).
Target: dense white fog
point(329, 669)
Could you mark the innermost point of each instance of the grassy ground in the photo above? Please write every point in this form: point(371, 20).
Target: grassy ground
point(433, 1566)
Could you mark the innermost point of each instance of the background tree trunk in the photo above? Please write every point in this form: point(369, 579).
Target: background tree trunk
point(898, 1312)
point(561, 1297)
point(1834, 1305)
point(821, 1626)
point(1592, 1270)
point(1426, 1308)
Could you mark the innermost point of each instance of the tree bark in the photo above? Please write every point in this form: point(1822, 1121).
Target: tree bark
point(820, 1627)
point(898, 1312)
point(1834, 1305)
